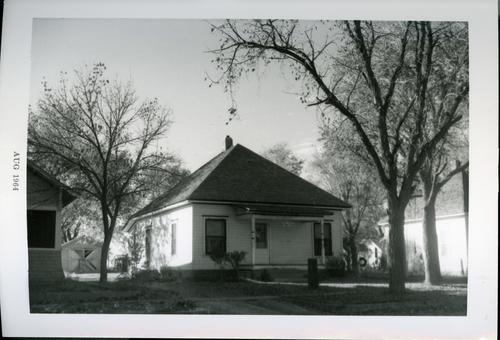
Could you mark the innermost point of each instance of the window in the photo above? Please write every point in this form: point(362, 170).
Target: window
point(41, 228)
point(173, 240)
point(327, 238)
point(215, 236)
point(261, 235)
point(147, 246)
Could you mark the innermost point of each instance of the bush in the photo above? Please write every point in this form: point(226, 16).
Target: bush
point(146, 275)
point(265, 276)
point(219, 258)
point(167, 274)
point(335, 266)
point(234, 259)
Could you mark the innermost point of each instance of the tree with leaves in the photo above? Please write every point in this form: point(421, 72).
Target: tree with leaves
point(81, 217)
point(283, 155)
point(438, 169)
point(104, 137)
point(374, 75)
point(342, 174)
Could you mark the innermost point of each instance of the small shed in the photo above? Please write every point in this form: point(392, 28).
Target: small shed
point(81, 255)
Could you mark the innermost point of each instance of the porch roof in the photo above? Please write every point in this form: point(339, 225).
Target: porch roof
point(295, 211)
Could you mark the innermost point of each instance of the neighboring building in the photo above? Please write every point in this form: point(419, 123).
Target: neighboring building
point(451, 227)
point(46, 197)
point(81, 255)
point(240, 201)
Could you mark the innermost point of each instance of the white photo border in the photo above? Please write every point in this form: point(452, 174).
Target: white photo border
point(483, 252)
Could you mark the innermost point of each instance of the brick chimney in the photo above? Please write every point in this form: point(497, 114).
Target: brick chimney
point(229, 142)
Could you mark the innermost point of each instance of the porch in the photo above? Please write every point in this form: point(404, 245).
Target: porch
point(285, 237)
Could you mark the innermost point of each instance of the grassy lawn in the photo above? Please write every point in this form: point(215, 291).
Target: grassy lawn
point(188, 297)
point(113, 297)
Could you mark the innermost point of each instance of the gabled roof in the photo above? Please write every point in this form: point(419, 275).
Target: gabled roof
point(239, 175)
point(82, 240)
point(67, 195)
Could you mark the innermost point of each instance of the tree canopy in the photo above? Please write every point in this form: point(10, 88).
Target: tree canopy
point(103, 140)
point(283, 155)
point(384, 79)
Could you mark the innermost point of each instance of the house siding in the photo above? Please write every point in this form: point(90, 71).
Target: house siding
point(44, 263)
point(40, 193)
point(289, 242)
point(238, 234)
point(161, 233)
point(452, 245)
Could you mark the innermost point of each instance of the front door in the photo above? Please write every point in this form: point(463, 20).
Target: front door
point(261, 243)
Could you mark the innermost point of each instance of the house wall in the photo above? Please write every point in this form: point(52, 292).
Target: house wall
point(451, 242)
point(289, 242)
point(44, 263)
point(238, 234)
point(161, 233)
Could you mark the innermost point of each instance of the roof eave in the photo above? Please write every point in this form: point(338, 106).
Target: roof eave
point(68, 195)
point(137, 217)
point(234, 202)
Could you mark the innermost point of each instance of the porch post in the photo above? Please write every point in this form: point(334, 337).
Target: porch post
point(253, 240)
point(323, 260)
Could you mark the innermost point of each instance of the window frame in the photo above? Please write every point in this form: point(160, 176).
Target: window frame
point(206, 236)
point(53, 238)
point(327, 240)
point(266, 225)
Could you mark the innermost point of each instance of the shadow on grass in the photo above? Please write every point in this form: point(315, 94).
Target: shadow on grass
point(370, 300)
point(125, 297)
point(185, 297)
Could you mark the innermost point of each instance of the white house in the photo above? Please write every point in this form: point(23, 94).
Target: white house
point(452, 244)
point(240, 201)
point(45, 199)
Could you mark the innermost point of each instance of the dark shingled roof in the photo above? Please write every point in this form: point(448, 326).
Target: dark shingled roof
point(239, 175)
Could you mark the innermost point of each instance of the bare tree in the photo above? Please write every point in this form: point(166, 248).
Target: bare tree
point(103, 135)
point(375, 75)
point(282, 155)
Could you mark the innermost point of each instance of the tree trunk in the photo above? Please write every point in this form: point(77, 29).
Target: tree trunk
point(430, 249)
point(397, 251)
point(108, 227)
point(104, 259)
point(353, 250)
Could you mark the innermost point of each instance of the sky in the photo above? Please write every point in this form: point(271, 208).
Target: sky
point(168, 59)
